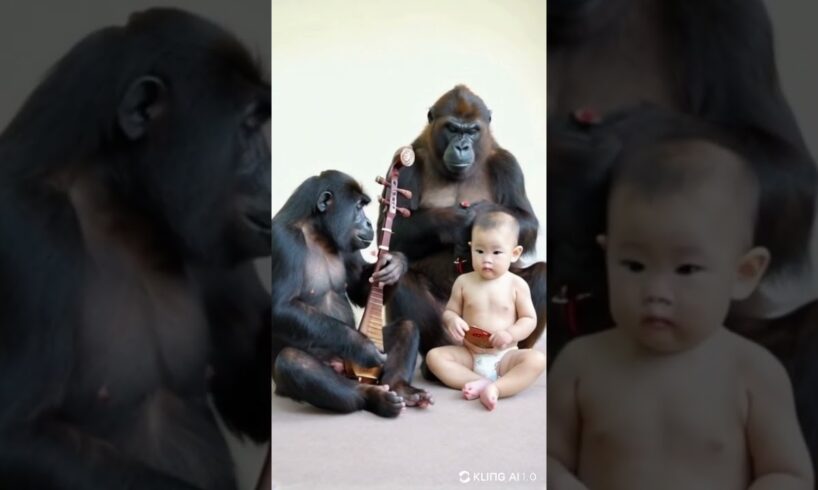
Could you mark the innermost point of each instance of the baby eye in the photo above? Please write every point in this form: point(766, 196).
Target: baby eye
point(632, 265)
point(479, 251)
point(497, 252)
point(688, 269)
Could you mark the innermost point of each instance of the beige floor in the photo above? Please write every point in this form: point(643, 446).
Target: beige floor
point(453, 444)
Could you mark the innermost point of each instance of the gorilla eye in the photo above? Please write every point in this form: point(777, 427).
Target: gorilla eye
point(451, 127)
point(632, 265)
point(256, 118)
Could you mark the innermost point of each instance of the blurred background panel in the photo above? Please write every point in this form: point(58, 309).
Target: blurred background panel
point(34, 35)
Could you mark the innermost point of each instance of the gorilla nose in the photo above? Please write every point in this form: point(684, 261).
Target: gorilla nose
point(462, 147)
point(368, 224)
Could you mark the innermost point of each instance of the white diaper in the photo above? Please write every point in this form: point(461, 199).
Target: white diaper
point(486, 365)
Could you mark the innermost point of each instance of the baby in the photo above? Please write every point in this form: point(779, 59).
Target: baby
point(498, 303)
point(670, 398)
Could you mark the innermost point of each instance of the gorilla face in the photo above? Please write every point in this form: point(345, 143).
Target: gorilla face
point(458, 132)
point(462, 138)
point(340, 206)
point(201, 157)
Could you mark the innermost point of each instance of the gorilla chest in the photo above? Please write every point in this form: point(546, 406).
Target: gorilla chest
point(447, 194)
point(325, 284)
point(139, 332)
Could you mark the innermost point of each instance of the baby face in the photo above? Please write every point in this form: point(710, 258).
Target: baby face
point(493, 251)
point(675, 262)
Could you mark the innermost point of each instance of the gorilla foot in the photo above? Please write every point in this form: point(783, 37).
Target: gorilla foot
point(381, 401)
point(473, 389)
point(413, 397)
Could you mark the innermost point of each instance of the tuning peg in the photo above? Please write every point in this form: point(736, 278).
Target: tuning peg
point(382, 200)
point(381, 180)
point(405, 193)
point(404, 212)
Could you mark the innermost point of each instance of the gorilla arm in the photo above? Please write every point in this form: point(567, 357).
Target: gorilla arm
point(508, 183)
point(304, 326)
point(238, 310)
point(359, 273)
point(429, 229)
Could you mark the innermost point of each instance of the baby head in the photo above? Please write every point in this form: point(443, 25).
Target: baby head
point(679, 242)
point(494, 242)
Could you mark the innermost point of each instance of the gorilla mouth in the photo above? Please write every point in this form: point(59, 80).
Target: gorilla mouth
point(260, 223)
point(458, 165)
point(365, 239)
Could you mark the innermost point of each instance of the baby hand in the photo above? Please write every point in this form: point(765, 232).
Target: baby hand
point(501, 338)
point(457, 328)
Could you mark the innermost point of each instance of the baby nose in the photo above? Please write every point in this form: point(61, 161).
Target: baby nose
point(658, 290)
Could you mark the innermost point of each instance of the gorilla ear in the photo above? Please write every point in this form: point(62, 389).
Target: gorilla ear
point(489, 116)
point(324, 201)
point(143, 102)
point(429, 116)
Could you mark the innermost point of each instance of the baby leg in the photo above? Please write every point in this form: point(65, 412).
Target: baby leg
point(452, 364)
point(518, 370)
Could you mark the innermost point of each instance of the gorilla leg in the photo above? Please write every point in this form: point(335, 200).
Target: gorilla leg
point(401, 340)
point(535, 276)
point(301, 376)
point(410, 300)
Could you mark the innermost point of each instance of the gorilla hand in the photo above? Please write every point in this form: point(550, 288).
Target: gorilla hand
point(393, 267)
point(362, 351)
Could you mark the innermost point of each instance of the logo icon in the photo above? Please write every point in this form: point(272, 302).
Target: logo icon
point(464, 476)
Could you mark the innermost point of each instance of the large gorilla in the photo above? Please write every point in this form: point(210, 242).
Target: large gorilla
point(317, 264)
point(458, 165)
point(134, 192)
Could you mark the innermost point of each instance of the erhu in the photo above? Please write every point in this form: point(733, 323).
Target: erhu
point(372, 320)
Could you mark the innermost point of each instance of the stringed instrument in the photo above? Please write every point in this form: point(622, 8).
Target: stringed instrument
point(374, 314)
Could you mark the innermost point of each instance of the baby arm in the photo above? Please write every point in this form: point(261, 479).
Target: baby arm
point(526, 317)
point(563, 421)
point(453, 322)
point(779, 455)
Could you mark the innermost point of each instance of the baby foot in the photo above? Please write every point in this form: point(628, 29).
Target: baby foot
point(489, 396)
point(472, 389)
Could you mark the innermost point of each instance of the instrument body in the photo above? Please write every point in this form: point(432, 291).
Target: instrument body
point(372, 320)
point(479, 337)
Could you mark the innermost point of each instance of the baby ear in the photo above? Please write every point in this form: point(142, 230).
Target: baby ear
point(750, 269)
point(602, 241)
point(516, 252)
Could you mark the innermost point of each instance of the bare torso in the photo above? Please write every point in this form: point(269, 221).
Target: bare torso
point(671, 422)
point(139, 379)
point(489, 305)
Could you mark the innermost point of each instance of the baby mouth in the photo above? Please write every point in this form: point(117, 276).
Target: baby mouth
point(652, 321)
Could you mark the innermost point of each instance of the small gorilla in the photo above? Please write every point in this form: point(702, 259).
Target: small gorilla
point(317, 238)
point(135, 194)
point(458, 166)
